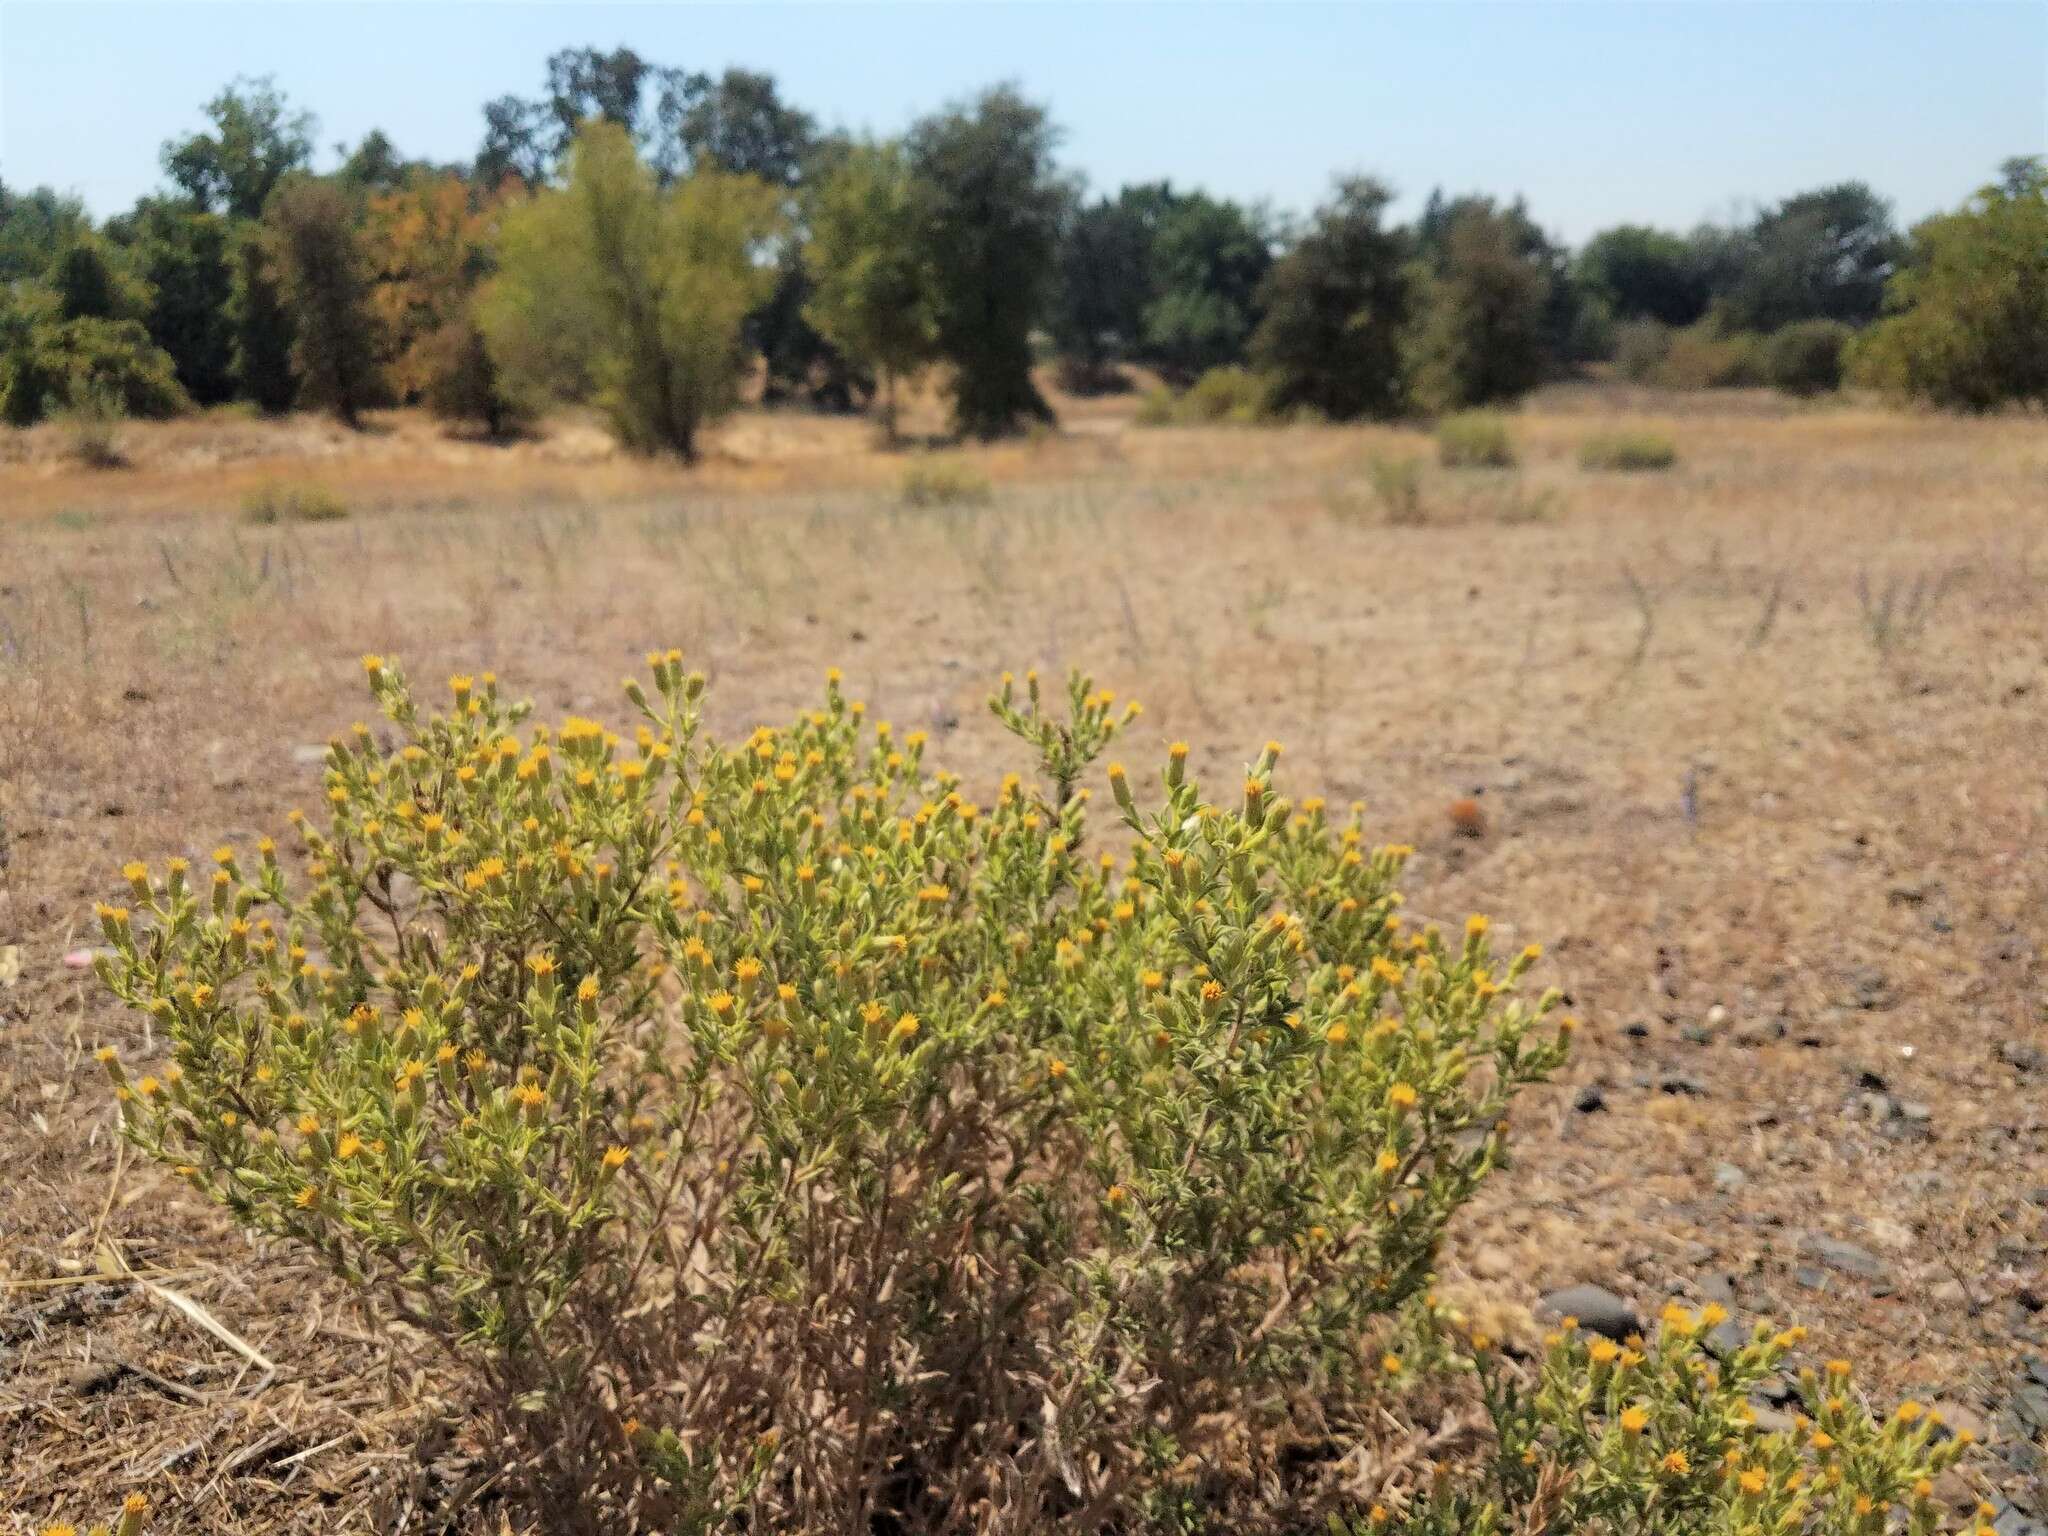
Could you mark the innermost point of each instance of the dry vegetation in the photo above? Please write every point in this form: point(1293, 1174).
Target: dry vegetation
point(1753, 745)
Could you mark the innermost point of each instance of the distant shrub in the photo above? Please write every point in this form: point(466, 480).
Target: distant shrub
point(272, 504)
point(1637, 449)
point(1228, 394)
point(1704, 356)
point(1805, 358)
point(1640, 347)
point(1156, 407)
point(1397, 486)
point(1474, 440)
point(92, 429)
point(1233, 395)
point(944, 482)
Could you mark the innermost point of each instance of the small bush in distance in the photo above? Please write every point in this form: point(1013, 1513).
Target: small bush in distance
point(1397, 487)
point(616, 1060)
point(1229, 394)
point(269, 505)
point(1629, 450)
point(943, 482)
point(1805, 357)
point(1640, 347)
point(92, 429)
point(1704, 356)
point(1474, 440)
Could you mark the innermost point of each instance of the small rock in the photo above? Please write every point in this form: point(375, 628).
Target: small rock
point(1956, 1418)
point(1597, 1309)
point(1697, 1034)
point(1636, 1030)
point(2011, 1520)
point(2021, 1056)
point(1590, 1099)
point(1809, 1277)
point(1870, 989)
point(1716, 1016)
point(1844, 1256)
point(1756, 1032)
point(310, 754)
point(1728, 1178)
point(1678, 1082)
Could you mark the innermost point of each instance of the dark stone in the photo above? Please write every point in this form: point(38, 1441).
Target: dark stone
point(1678, 1082)
point(2025, 1058)
point(1637, 1030)
point(1846, 1257)
point(1811, 1278)
point(1598, 1310)
point(1590, 1099)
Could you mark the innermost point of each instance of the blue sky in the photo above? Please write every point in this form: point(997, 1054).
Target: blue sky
point(1599, 112)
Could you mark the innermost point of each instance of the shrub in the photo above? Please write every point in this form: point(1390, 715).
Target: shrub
point(1636, 449)
point(1660, 1436)
point(1704, 356)
point(92, 428)
point(1967, 319)
point(272, 504)
point(945, 483)
point(1805, 358)
point(111, 363)
point(778, 1136)
point(1474, 440)
point(1230, 394)
point(1397, 486)
point(1640, 347)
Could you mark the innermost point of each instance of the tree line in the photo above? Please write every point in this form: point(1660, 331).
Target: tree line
point(644, 239)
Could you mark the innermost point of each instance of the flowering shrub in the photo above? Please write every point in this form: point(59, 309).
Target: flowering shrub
point(774, 1133)
point(1660, 1437)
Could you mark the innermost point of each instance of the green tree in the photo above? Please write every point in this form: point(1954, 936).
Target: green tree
point(614, 289)
point(1643, 274)
point(260, 325)
point(183, 255)
point(1823, 255)
point(323, 284)
point(1968, 326)
point(1336, 306)
point(1482, 329)
point(36, 226)
point(257, 140)
point(991, 214)
point(1104, 283)
point(738, 124)
point(874, 294)
point(1209, 257)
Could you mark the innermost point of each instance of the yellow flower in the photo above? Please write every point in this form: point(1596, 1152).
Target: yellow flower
point(1391, 1364)
point(615, 1158)
point(1634, 1420)
point(1754, 1481)
point(1401, 1096)
point(1057, 1067)
point(1476, 926)
point(1676, 1464)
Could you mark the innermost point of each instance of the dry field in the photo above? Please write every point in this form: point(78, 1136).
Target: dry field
point(1758, 743)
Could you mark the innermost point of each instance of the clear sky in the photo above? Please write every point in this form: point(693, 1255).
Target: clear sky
point(1599, 112)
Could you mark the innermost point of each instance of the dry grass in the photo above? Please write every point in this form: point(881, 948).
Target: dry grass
point(1704, 783)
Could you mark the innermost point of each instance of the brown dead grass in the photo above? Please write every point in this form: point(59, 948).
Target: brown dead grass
point(1704, 783)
